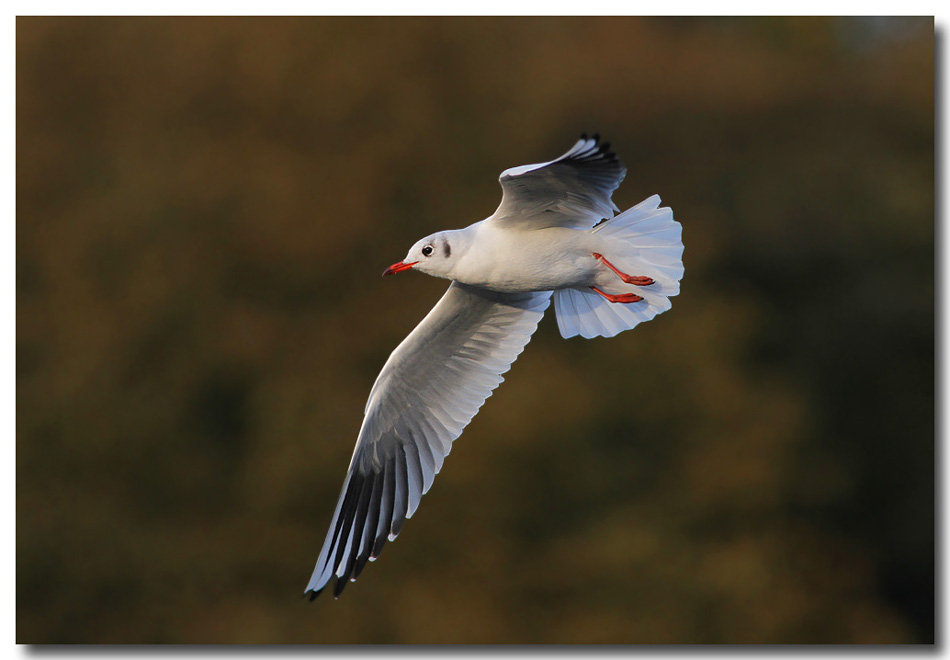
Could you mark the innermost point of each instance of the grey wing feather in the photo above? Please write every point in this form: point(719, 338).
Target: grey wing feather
point(573, 190)
point(428, 391)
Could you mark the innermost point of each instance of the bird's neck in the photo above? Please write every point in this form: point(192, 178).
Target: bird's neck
point(461, 241)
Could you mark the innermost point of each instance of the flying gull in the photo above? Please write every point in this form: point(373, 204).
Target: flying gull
point(545, 240)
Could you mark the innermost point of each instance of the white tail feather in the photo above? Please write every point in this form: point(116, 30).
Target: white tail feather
point(644, 240)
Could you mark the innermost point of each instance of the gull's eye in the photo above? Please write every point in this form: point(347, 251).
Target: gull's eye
point(427, 250)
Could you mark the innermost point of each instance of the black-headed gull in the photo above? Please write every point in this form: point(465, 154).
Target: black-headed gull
point(543, 239)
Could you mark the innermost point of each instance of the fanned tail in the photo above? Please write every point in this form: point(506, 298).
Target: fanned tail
point(645, 240)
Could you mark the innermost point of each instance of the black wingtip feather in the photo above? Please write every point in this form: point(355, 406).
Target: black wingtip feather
point(400, 505)
point(358, 567)
point(599, 155)
point(347, 514)
point(371, 522)
point(339, 587)
point(386, 510)
point(359, 525)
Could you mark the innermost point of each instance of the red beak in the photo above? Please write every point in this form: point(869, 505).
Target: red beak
point(397, 267)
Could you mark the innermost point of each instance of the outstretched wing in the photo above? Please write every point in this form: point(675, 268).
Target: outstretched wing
point(571, 191)
point(428, 391)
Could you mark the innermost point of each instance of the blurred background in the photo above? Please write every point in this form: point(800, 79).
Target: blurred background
point(204, 208)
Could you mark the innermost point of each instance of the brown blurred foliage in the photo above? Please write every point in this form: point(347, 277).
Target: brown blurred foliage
point(204, 207)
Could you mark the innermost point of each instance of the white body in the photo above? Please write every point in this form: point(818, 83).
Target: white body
point(512, 260)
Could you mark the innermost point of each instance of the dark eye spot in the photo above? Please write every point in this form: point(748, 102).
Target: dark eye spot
point(427, 250)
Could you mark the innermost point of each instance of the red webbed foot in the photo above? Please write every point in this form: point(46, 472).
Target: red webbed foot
point(620, 297)
point(638, 280)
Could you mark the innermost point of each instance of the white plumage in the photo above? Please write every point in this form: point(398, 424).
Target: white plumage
point(542, 240)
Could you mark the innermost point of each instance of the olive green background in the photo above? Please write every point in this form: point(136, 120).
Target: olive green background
point(204, 207)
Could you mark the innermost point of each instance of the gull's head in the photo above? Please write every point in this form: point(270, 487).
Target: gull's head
point(434, 255)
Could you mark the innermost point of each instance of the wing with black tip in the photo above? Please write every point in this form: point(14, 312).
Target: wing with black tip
point(428, 391)
point(573, 190)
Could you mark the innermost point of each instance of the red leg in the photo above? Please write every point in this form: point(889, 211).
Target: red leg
point(620, 297)
point(638, 280)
